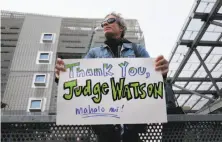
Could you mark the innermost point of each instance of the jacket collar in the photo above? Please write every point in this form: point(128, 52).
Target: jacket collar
point(124, 46)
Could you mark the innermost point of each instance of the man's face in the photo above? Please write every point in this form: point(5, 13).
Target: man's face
point(111, 27)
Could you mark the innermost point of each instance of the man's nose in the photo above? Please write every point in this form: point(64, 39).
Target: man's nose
point(105, 24)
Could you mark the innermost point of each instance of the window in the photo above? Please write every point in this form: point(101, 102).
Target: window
point(15, 28)
point(8, 39)
point(4, 52)
point(5, 45)
point(12, 33)
point(40, 80)
point(44, 57)
point(47, 38)
point(74, 47)
point(3, 67)
point(66, 34)
point(36, 104)
point(71, 41)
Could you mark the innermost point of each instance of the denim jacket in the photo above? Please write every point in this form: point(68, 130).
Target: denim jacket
point(125, 52)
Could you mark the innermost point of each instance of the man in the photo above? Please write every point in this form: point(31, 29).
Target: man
point(117, 46)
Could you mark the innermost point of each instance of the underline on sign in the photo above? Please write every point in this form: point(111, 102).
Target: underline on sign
point(100, 115)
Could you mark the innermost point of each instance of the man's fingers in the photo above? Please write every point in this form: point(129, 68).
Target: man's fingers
point(164, 70)
point(161, 67)
point(159, 58)
point(161, 62)
point(57, 74)
point(60, 67)
point(60, 61)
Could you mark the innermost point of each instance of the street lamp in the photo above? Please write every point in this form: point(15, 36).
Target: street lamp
point(91, 39)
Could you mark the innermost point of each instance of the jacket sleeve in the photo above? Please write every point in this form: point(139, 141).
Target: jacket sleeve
point(142, 51)
point(90, 54)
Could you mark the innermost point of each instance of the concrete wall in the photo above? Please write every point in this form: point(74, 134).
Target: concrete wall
point(10, 30)
point(19, 88)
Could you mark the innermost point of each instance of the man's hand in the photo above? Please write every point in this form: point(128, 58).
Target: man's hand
point(161, 64)
point(60, 66)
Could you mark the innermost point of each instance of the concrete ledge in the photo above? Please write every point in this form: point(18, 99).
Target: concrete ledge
point(52, 118)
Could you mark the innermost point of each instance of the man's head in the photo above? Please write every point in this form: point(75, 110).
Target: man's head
point(114, 26)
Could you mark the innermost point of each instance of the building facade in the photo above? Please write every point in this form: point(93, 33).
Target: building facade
point(30, 45)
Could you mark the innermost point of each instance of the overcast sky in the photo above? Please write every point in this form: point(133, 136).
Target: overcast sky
point(160, 20)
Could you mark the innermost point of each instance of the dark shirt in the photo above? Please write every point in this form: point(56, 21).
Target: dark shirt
point(114, 45)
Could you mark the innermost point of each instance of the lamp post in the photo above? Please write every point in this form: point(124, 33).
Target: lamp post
point(91, 39)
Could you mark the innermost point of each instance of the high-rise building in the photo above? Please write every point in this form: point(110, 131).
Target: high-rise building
point(30, 44)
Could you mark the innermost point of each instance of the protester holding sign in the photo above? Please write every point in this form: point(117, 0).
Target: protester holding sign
point(116, 46)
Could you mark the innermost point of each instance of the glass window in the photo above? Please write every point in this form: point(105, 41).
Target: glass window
point(193, 35)
point(182, 99)
point(44, 56)
point(210, 36)
point(186, 73)
point(40, 78)
point(192, 85)
point(47, 37)
point(216, 74)
point(35, 104)
point(209, 7)
point(201, 7)
point(204, 86)
point(200, 104)
point(192, 100)
point(195, 25)
point(187, 35)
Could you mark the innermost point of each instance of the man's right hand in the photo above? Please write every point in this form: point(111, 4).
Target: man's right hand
point(60, 66)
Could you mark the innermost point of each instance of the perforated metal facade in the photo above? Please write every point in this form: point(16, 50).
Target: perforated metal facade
point(205, 130)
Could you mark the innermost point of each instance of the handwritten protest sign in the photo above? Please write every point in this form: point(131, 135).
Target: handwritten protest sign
point(110, 91)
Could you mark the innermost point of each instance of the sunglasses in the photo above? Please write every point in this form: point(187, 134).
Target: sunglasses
point(109, 21)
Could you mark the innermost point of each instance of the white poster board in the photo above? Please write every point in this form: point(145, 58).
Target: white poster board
point(110, 91)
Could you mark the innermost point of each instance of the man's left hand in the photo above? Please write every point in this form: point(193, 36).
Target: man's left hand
point(161, 64)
